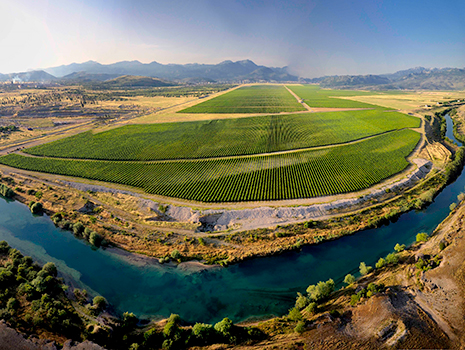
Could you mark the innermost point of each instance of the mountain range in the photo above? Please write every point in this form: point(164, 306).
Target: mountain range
point(226, 71)
point(92, 72)
point(418, 78)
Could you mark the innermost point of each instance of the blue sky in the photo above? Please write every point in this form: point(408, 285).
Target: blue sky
point(313, 38)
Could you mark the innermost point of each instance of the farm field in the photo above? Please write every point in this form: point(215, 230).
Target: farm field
point(250, 99)
point(227, 137)
point(316, 97)
point(297, 174)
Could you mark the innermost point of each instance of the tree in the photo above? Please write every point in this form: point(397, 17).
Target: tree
point(86, 233)
point(95, 239)
point(36, 208)
point(422, 237)
point(129, 320)
point(301, 301)
point(51, 269)
point(349, 279)
point(78, 228)
point(381, 262)
point(12, 305)
point(294, 314)
point(300, 327)
point(176, 255)
point(99, 302)
point(226, 329)
point(312, 308)
point(321, 290)
point(392, 258)
point(399, 248)
point(364, 269)
point(203, 332)
point(6, 192)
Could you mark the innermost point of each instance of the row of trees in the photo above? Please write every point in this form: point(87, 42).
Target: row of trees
point(174, 336)
point(320, 292)
point(79, 230)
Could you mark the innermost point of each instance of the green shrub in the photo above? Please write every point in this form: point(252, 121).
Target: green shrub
point(354, 299)
point(300, 327)
point(6, 192)
point(65, 224)
point(420, 264)
point(399, 248)
point(99, 302)
point(392, 258)
point(95, 239)
point(422, 237)
point(78, 228)
point(36, 208)
point(294, 314)
point(461, 197)
point(227, 329)
point(176, 255)
point(301, 301)
point(312, 308)
point(51, 269)
point(321, 290)
point(86, 233)
point(364, 269)
point(349, 279)
point(381, 262)
point(203, 333)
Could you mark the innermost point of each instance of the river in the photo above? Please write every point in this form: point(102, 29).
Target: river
point(255, 288)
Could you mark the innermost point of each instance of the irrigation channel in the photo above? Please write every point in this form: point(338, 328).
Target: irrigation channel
point(254, 288)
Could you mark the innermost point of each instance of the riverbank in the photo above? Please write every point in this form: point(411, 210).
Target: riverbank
point(119, 218)
point(421, 305)
point(142, 224)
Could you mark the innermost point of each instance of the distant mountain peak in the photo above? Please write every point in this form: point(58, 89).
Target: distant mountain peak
point(226, 71)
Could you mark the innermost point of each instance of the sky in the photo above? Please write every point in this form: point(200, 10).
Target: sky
point(313, 38)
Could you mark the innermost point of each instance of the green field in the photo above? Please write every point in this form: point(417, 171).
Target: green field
point(323, 98)
point(298, 174)
point(226, 137)
point(250, 99)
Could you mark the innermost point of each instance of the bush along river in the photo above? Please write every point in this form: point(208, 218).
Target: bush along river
point(260, 287)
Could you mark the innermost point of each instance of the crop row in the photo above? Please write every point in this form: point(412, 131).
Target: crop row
point(325, 98)
point(250, 99)
point(226, 137)
point(301, 174)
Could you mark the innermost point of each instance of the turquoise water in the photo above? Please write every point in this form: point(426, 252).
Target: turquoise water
point(259, 287)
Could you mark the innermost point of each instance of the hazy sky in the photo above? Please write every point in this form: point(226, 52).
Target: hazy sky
point(313, 38)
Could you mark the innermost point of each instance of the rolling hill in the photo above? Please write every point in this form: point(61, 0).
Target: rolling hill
point(32, 76)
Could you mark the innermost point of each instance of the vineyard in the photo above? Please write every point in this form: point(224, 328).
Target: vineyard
point(250, 99)
point(296, 174)
point(323, 98)
point(226, 137)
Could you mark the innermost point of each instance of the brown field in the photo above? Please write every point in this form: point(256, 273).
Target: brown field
point(412, 101)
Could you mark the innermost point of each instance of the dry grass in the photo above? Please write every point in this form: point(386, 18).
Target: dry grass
point(411, 101)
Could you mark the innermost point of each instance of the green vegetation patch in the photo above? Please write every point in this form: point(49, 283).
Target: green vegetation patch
point(300, 174)
point(226, 137)
point(325, 98)
point(250, 99)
